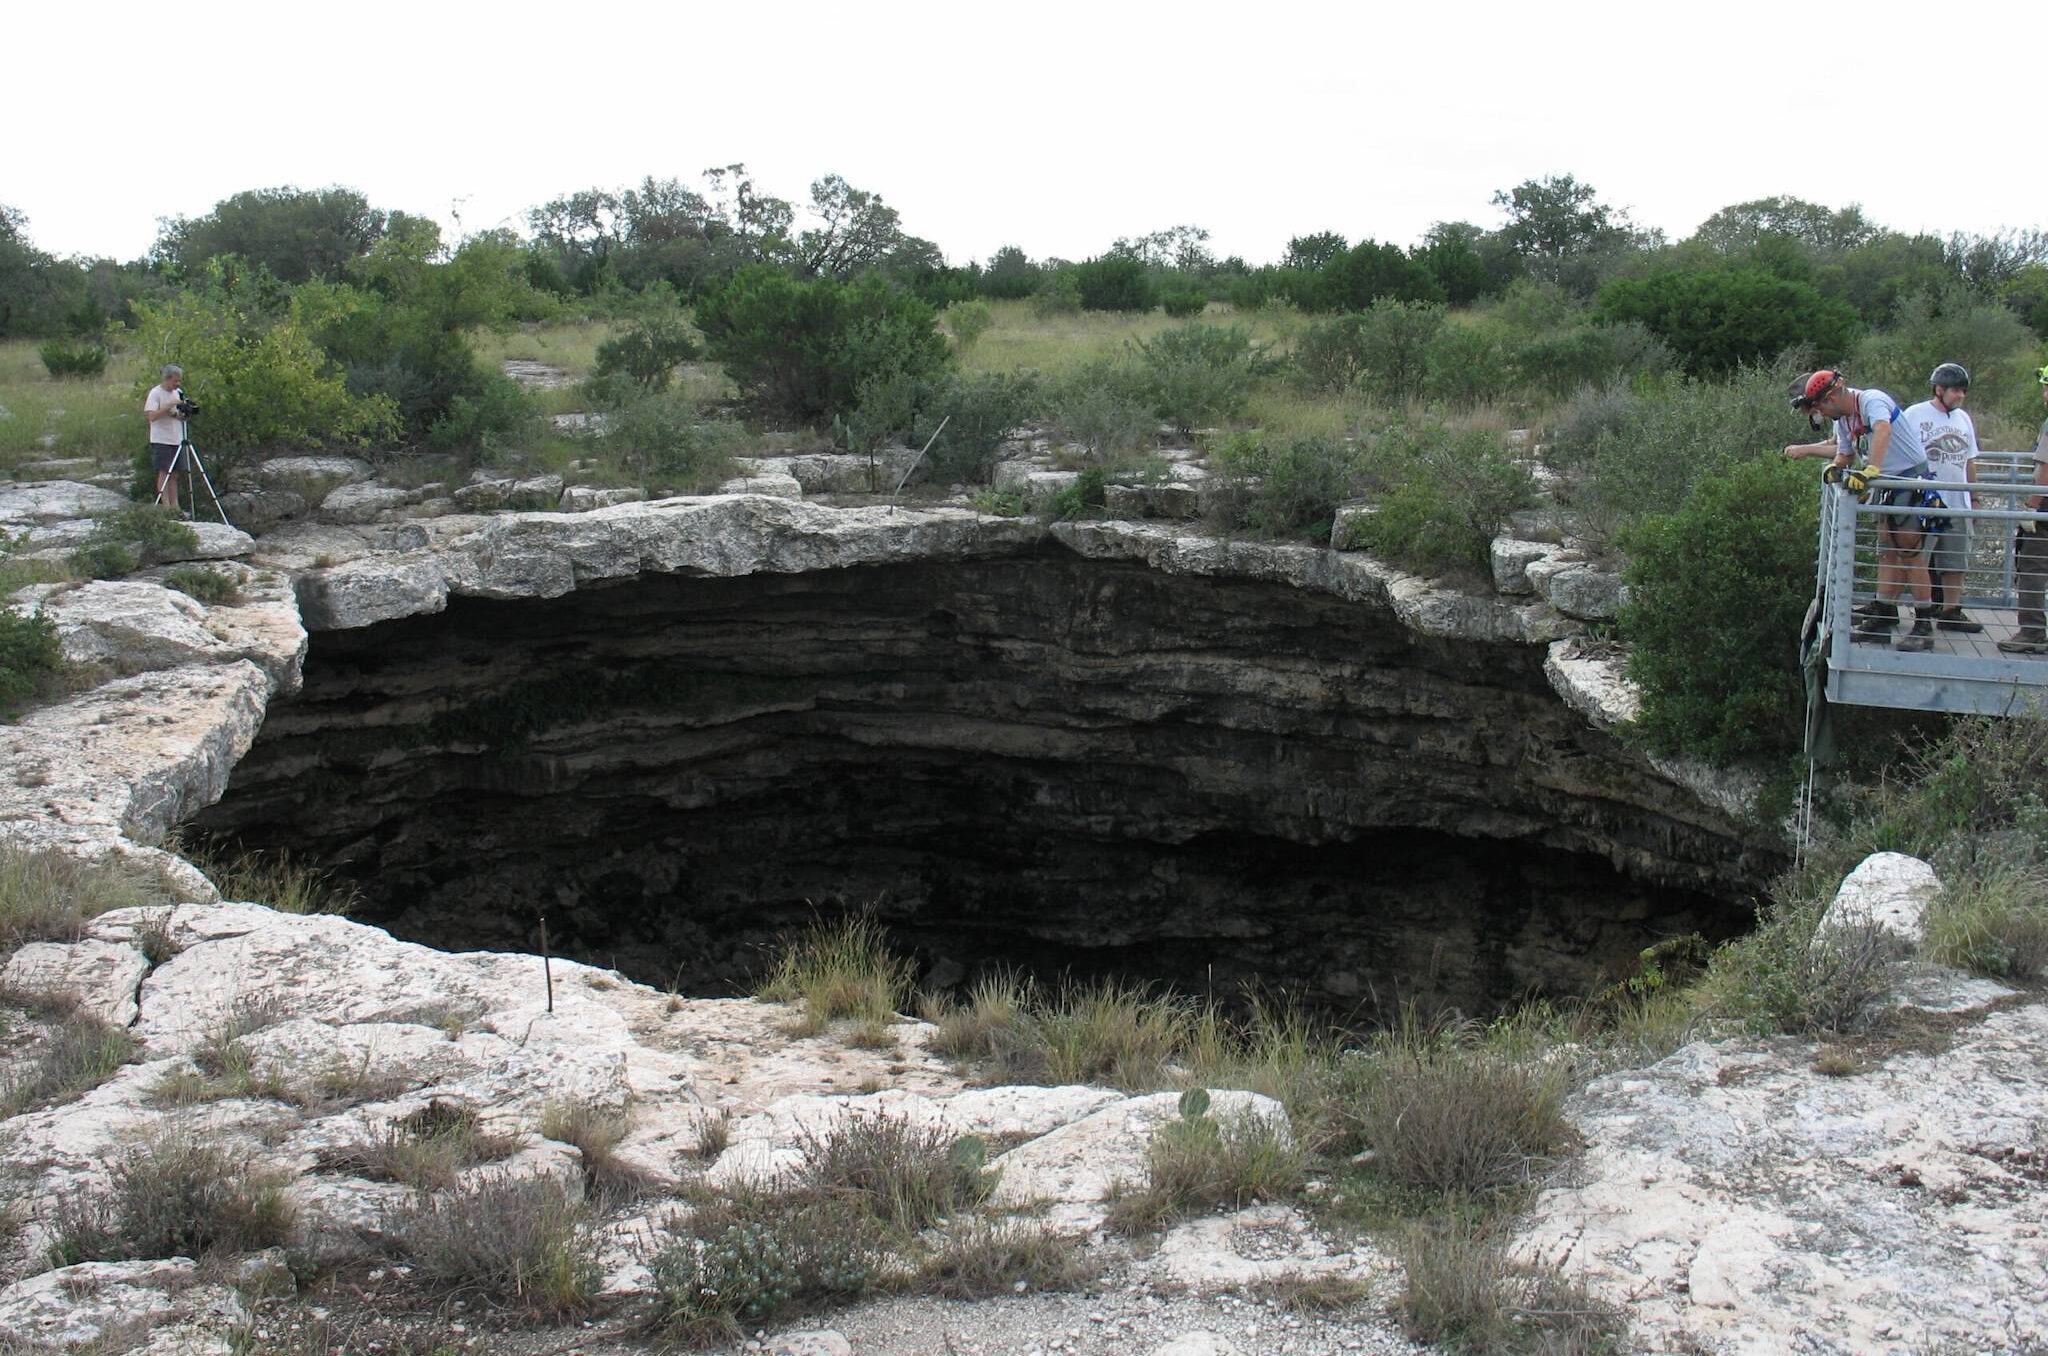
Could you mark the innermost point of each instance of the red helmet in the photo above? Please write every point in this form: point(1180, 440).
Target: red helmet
point(1815, 388)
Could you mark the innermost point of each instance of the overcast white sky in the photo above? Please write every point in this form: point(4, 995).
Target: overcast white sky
point(1054, 126)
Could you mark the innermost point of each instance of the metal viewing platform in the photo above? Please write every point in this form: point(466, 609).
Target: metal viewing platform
point(1963, 673)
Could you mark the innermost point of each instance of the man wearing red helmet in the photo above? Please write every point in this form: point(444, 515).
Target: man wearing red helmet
point(1869, 424)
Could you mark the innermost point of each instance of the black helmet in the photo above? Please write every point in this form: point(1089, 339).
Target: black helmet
point(1952, 375)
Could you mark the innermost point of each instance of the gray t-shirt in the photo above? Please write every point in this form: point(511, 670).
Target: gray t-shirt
point(1905, 457)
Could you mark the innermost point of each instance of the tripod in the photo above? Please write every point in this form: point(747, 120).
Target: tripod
point(188, 458)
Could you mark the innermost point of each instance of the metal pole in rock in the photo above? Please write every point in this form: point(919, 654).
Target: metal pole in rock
point(921, 451)
point(547, 969)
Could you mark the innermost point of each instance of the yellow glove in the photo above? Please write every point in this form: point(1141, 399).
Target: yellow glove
point(1858, 482)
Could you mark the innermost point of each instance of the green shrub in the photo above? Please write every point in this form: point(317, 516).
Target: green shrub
point(1196, 375)
point(155, 533)
point(1716, 319)
point(662, 438)
point(755, 1251)
point(1625, 452)
point(196, 581)
point(1993, 921)
point(1288, 490)
point(1200, 1162)
point(1445, 494)
point(967, 321)
point(1114, 282)
point(1103, 406)
point(1330, 355)
point(1183, 305)
point(1718, 590)
point(31, 659)
point(1469, 362)
point(172, 1196)
point(1954, 325)
point(650, 351)
point(63, 358)
point(261, 383)
point(805, 349)
point(1060, 295)
point(970, 414)
point(517, 1240)
point(1774, 979)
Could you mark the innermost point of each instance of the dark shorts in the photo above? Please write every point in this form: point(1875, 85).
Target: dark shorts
point(161, 455)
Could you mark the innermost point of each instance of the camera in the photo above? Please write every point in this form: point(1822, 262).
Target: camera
point(187, 408)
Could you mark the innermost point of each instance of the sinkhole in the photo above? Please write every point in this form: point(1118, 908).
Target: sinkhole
point(1038, 762)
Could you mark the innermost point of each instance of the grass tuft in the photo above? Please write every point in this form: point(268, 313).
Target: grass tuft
point(981, 1258)
point(1993, 922)
point(910, 1176)
point(276, 880)
point(427, 1149)
point(77, 1054)
point(47, 896)
point(174, 1195)
point(597, 1133)
point(839, 971)
point(517, 1240)
point(1201, 1162)
point(1460, 1292)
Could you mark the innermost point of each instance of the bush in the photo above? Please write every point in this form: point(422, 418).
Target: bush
point(1468, 362)
point(31, 659)
point(518, 1240)
point(968, 321)
point(1197, 375)
point(1183, 305)
point(982, 1259)
point(1060, 295)
point(1445, 494)
point(1718, 591)
point(1114, 282)
point(63, 358)
point(650, 351)
point(805, 349)
point(597, 1132)
point(172, 1196)
point(262, 383)
point(970, 416)
point(1287, 490)
point(1774, 979)
point(1625, 451)
point(1717, 319)
point(155, 533)
point(1199, 1163)
point(910, 1176)
point(196, 581)
point(756, 1251)
point(1102, 406)
point(839, 971)
point(662, 438)
point(426, 1150)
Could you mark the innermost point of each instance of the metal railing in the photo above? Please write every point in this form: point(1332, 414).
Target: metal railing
point(1959, 670)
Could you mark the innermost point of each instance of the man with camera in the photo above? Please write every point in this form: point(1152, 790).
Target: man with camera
point(166, 409)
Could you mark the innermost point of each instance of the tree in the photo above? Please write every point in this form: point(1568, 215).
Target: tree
point(1314, 252)
point(1564, 233)
point(1370, 270)
point(1715, 319)
point(1738, 229)
point(856, 231)
point(1010, 273)
point(1115, 282)
point(296, 234)
point(1451, 256)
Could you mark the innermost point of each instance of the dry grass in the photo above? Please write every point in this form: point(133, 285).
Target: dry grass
point(909, 1176)
point(1202, 1163)
point(1993, 921)
point(174, 1195)
point(1460, 1292)
point(48, 896)
point(276, 880)
point(980, 1259)
point(523, 1241)
point(428, 1149)
point(75, 417)
point(841, 971)
point(74, 1055)
point(597, 1133)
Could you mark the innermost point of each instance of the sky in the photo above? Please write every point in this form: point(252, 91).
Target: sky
point(1054, 126)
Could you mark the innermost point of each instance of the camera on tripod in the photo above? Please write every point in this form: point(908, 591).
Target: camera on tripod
point(187, 408)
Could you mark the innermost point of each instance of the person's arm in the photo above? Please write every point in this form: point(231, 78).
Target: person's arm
point(1799, 450)
point(1880, 443)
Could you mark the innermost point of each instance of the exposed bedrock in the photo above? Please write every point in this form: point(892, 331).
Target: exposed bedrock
point(1037, 759)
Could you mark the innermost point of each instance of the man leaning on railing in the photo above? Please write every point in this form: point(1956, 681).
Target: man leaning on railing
point(1869, 424)
point(2030, 554)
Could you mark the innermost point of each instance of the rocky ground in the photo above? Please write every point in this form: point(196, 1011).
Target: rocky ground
point(1740, 1196)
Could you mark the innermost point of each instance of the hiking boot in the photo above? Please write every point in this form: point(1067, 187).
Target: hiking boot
point(1876, 607)
point(1952, 619)
point(2024, 641)
point(1871, 631)
point(1921, 637)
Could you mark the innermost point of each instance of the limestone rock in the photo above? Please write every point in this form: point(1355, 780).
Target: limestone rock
point(1511, 561)
point(361, 592)
point(1197, 1343)
point(773, 485)
point(583, 498)
point(835, 472)
point(1576, 587)
point(26, 505)
point(1733, 1199)
point(534, 492)
point(77, 1305)
point(1262, 1245)
point(256, 511)
point(314, 479)
point(1888, 891)
point(306, 545)
point(99, 976)
point(58, 468)
point(217, 541)
point(819, 1342)
point(363, 502)
point(1076, 1167)
point(131, 626)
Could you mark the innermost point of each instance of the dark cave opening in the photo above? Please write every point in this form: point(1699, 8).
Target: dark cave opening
point(1036, 762)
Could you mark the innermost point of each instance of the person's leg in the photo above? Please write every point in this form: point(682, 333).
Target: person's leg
point(165, 459)
point(2030, 576)
point(1912, 566)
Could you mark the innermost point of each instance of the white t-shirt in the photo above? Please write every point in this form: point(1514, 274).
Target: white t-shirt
point(172, 430)
point(1951, 442)
point(1904, 458)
